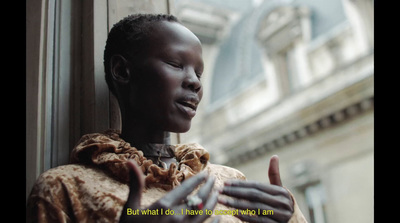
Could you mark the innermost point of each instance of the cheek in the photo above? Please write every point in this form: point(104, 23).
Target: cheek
point(200, 93)
point(165, 77)
point(159, 94)
point(168, 83)
point(155, 95)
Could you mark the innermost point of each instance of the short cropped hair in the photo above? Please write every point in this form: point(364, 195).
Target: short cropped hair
point(127, 38)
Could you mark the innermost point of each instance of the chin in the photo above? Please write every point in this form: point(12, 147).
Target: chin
point(181, 128)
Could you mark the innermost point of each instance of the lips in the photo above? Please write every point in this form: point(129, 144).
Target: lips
point(188, 104)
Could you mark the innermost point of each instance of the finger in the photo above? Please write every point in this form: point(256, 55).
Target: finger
point(254, 195)
point(206, 188)
point(243, 206)
point(179, 193)
point(209, 205)
point(267, 188)
point(136, 184)
point(250, 194)
point(211, 201)
point(273, 171)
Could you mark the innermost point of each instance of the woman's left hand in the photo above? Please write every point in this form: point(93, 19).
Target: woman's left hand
point(258, 198)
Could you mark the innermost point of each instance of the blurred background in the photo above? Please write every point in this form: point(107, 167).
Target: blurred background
point(292, 78)
point(288, 77)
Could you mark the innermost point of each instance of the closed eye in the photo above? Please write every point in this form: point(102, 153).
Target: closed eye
point(199, 75)
point(199, 72)
point(175, 65)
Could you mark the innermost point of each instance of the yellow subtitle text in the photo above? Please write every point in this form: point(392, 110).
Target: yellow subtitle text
point(130, 211)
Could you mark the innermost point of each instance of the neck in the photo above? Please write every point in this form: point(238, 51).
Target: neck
point(141, 136)
point(137, 133)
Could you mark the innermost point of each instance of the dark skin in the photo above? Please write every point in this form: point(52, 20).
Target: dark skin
point(254, 195)
point(159, 93)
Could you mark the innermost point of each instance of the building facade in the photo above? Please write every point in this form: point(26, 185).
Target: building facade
point(292, 78)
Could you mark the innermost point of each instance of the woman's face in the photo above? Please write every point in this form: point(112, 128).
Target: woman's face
point(165, 85)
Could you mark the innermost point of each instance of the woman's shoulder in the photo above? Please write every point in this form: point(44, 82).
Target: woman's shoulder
point(75, 188)
point(55, 183)
point(54, 180)
point(64, 172)
point(50, 192)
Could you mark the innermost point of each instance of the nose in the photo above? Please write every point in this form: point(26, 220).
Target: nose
point(191, 81)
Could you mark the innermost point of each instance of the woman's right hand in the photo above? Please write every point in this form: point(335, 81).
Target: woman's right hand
point(173, 200)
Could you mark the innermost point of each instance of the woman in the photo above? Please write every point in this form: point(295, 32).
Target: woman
point(153, 65)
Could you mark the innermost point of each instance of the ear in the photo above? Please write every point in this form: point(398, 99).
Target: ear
point(119, 69)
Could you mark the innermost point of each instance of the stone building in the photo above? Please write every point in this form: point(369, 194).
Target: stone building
point(292, 78)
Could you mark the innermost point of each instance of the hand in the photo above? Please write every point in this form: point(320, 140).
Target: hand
point(172, 200)
point(257, 196)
